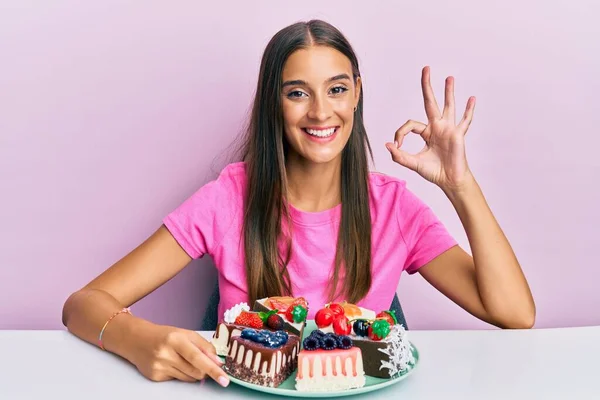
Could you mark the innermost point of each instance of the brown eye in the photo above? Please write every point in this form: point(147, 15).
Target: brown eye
point(338, 90)
point(296, 94)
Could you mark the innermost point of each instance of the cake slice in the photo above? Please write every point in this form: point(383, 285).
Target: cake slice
point(293, 310)
point(383, 342)
point(263, 357)
point(239, 317)
point(329, 362)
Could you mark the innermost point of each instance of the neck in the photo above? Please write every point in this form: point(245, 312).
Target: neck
point(314, 187)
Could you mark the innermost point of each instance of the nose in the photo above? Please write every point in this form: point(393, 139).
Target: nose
point(320, 109)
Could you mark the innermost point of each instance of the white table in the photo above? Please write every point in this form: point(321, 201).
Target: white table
point(537, 364)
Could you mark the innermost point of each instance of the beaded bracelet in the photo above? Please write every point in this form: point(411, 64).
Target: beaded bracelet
point(124, 310)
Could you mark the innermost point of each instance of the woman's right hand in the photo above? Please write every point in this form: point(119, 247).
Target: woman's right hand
point(164, 353)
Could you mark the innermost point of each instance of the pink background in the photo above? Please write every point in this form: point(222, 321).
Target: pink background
point(112, 112)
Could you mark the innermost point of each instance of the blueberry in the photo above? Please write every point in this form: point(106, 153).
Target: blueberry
point(250, 334)
point(262, 337)
point(281, 334)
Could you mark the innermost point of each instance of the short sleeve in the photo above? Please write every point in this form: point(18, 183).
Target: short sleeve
point(425, 235)
point(199, 223)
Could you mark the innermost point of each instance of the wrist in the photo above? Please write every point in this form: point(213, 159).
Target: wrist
point(466, 190)
point(122, 337)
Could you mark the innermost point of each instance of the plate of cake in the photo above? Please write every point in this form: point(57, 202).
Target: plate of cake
point(345, 350)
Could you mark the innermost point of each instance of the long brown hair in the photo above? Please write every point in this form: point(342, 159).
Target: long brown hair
point(267, 230)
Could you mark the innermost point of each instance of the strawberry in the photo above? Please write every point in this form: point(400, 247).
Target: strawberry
point(324, 317)
point(296, 313)
point(275, 322)
point(277, 305)
point(337, 309)
point(389, 316)
point(250, 319)
point(300, 301)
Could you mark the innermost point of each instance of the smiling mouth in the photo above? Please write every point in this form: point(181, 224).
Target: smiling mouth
point(320, 133)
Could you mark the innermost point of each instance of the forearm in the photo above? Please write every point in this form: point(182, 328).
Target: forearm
point(502, 287)
point(86, 312)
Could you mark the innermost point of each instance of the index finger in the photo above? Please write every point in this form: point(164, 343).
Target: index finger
point(198, 359)
point(431, 107)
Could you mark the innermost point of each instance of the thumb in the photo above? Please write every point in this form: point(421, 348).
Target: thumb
point(402, 157)
point(205, 346)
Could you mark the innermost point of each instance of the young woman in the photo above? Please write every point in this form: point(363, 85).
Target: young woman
point(301, 214)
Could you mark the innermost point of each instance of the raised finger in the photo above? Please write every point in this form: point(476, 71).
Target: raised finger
point(468, 115)
point(449, 112)
point(431, 108)
point(202, 362)
point(410, 126)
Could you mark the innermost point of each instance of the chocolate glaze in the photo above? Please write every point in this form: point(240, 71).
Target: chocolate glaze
point(230, 328)
point(239, 370)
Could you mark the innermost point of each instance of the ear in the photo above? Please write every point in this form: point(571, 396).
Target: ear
point(358, 88)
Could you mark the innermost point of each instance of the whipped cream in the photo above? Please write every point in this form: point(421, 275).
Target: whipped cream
point(234, 312)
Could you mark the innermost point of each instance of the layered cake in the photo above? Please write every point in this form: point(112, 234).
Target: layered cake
point(263, 357)
point(388, 357)
point(293, 310)
point(239, 317)
point(385, 348)
point(336, 317)
point(329, 362)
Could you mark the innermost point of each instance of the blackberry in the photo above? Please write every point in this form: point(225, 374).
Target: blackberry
point(317, 333)
point(344, 342)
point(329, 343)
point(311, 343)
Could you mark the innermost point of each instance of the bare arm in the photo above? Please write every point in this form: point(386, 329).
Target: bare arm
point(133, 277)
point(159, 352)
point(490, 285)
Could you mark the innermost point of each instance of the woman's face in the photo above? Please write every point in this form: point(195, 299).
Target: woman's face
point(319, 96)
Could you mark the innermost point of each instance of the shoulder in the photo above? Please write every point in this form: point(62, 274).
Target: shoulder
point(230, 180)
point(392, 192)
point(223, 191)
point(385, 187)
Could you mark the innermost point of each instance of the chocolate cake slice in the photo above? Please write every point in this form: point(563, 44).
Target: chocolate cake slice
point(222, 337)
point(263, 357)
point(388, 358)
point(284, 303)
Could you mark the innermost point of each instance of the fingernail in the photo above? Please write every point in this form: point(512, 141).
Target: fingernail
point(397, 144)
point(223, 381)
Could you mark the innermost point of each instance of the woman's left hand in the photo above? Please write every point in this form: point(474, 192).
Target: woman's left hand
point(443, 160)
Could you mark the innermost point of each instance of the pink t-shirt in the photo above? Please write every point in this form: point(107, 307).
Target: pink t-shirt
point(405, 235)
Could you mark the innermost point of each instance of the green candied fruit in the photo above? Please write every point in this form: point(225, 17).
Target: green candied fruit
point(381, 328)
point(299, 314)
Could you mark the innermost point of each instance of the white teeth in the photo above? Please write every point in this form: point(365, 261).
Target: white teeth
point(322, 132)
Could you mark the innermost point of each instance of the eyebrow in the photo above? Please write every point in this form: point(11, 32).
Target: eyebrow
point(299, 82)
